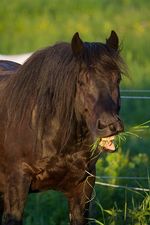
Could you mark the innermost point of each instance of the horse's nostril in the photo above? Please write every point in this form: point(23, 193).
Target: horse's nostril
point(99, 125)
point(112, 127)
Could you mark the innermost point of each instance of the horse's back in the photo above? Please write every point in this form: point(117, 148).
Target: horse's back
point(6, 65)
point(7, 68)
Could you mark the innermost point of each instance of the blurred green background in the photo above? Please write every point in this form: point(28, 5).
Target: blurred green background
point(26, 26)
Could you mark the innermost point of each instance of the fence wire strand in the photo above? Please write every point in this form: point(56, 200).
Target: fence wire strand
point(134, 91)
point(119, 186)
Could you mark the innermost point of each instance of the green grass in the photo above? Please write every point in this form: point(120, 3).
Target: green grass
point(136, 214)
point(46, 208)
point(26, 26)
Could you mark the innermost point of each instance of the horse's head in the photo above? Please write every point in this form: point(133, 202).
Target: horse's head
point(97, 93)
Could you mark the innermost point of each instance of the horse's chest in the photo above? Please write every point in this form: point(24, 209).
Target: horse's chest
point(61, 173)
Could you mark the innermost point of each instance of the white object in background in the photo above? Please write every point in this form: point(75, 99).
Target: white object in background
point(16, 58)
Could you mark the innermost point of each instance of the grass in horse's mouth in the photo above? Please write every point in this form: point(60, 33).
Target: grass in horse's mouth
point(104, 144)
point(111, 143)
point(108, 143)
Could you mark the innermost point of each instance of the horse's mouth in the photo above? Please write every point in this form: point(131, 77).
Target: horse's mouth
point(107, 144)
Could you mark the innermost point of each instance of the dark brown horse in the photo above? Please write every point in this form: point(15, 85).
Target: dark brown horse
point(52, 108)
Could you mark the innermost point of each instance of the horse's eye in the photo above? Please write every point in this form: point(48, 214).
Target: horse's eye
point(81, 83)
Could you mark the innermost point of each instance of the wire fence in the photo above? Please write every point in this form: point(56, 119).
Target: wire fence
point(136, 97)
point(120, 186)
point(141, 91)
point(136, 90)
point(122, 178)
point(129, 91)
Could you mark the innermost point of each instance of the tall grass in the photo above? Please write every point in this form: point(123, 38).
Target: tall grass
point(135, 214)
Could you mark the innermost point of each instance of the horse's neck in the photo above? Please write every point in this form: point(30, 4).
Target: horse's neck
point(52, 143)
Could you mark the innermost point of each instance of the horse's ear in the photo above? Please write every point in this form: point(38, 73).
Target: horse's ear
point(77, 44)
point(113, 41)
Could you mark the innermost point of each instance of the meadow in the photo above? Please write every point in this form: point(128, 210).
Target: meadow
point(26, 26)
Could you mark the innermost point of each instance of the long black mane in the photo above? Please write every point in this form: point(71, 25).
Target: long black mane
point(47, 81)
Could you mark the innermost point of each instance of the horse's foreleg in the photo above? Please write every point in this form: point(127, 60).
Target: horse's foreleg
point(15, 195)
point(79, 202)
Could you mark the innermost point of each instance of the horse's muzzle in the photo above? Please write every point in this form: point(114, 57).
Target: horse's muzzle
point(111, 129)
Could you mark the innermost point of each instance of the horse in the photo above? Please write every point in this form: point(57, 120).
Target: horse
point(63, 99)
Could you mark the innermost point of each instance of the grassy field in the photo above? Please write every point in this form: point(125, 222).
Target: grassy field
point(26, 26)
